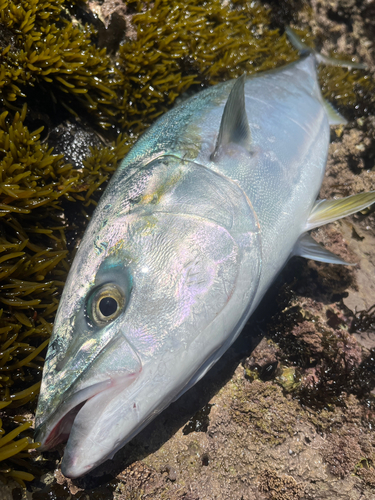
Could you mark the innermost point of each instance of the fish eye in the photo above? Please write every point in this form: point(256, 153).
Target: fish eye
point(106, 304)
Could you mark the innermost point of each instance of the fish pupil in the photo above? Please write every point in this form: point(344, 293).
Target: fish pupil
point(108, 306)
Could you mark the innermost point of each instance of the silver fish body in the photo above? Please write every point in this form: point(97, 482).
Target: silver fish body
point(184, 243)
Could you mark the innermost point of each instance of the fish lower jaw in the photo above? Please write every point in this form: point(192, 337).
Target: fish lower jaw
point(60, 433)
point(57, 428)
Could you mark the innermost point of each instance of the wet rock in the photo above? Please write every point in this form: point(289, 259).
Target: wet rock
point(263, 362)
point(111, 35)
point(74, 141)
point(199, 422)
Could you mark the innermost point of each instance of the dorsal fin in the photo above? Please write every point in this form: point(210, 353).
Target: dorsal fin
point(234, 126)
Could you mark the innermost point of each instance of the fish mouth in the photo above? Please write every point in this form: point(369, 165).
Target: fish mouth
point(56, 429)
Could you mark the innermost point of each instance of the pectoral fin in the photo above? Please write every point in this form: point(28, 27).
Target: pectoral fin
point(234, 126)
point(326, 211)
point(334, 117)
point(308, 248)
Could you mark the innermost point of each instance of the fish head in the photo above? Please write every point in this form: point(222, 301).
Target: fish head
point(152, 295)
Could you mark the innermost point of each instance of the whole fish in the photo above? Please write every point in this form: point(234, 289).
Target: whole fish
point(193, 228)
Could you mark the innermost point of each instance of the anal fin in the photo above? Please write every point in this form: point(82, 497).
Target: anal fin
point(308, 248)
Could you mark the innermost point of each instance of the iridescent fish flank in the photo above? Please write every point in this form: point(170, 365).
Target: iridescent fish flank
point(200, 217)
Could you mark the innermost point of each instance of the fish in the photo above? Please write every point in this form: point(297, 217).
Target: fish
point(193, 228)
